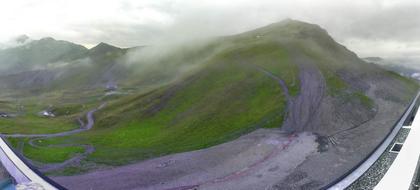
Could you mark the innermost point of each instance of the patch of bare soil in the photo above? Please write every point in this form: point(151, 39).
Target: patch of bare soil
point(303, 111)
point(343, 150)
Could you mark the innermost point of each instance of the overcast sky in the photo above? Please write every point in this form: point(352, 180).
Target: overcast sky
point(387, 28)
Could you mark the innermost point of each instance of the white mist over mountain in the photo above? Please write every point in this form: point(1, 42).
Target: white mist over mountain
point(385, 28)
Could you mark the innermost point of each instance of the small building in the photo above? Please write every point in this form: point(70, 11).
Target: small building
point(110, 87)
point(4, 115)
point(46, 113)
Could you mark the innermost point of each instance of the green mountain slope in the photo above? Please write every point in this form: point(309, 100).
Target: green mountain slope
point(289, 74)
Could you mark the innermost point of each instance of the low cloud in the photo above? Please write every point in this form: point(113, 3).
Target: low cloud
point(370, 28)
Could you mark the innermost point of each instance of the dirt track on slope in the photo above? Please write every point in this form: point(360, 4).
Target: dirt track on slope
point(304, 112)
point(47, 167)
point(83, 127)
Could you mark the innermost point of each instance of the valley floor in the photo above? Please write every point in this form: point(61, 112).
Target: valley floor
point(253, 161)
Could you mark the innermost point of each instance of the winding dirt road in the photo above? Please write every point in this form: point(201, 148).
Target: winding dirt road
point(88, 126)
point(46, 167)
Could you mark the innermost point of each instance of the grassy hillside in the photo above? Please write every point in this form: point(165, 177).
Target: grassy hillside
point(200, 96)
point(225, 99)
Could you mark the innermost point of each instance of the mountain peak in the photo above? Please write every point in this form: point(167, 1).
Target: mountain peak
point(291, 21)
point(21, 39)
point(294, 21)
point(104, 45)
point(103, 48)
point(290, 28)
point(294, 26)
point(47, 39)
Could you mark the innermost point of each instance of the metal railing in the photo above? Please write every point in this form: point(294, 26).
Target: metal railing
point(357, 171)
point(21, 171)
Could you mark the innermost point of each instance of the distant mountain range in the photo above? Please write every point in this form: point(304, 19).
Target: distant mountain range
point(38, 63)
point(39, 53)
point(402, 67)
